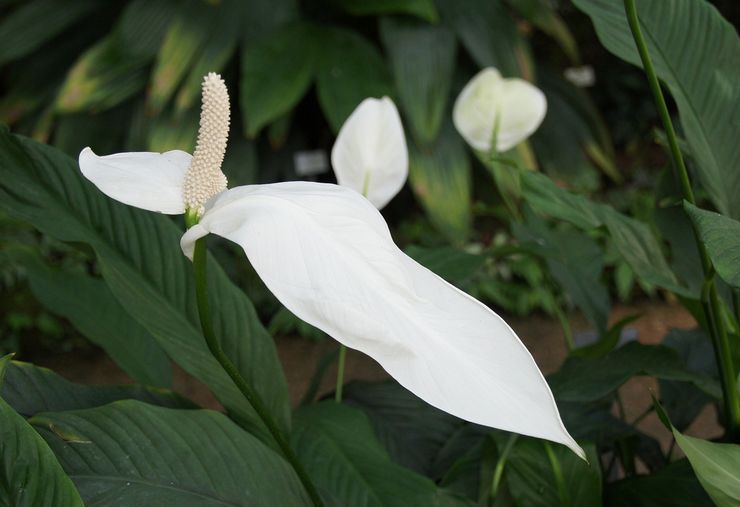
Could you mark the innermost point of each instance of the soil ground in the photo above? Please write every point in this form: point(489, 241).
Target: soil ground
point(542, 336)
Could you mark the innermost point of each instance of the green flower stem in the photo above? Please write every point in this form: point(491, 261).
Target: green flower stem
point(201, 292)
point(558, 473)
point(340, 374)
point(710, 298)
point(498, 472)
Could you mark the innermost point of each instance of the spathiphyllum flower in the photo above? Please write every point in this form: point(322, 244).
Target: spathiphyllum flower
point(370, 154)
point(328, 256)
point(490, 107)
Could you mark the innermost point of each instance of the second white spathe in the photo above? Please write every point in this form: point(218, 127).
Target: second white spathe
point(509, 109)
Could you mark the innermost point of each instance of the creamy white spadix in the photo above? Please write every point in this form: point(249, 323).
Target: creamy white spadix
point(370, 155)
point(491, 106)
point(328, 256)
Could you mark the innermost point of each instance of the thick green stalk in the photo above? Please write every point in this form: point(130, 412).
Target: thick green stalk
point(340, 374)
point(710, 298)
point(498, 472)
point(201, 292)
point(557, 471)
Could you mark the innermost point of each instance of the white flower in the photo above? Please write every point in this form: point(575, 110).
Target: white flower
point(327, 255)
point(490, 106)
point(370, 154)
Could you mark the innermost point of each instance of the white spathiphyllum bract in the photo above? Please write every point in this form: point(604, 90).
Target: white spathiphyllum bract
point(370, 154)
point(328, 256)
point(490, 107)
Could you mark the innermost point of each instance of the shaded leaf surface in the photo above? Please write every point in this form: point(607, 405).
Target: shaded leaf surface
point(721, 236)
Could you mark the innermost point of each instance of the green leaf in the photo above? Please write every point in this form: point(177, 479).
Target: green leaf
point(143, 25)
point(424, 9)
point(716, 466)
point(34, 23)
point(422, 59)
point(130, 453)
point(349, 466)
point(454, 265)
point(673, 485)
point(591, 379)
point(31, 475)
point(441, 179)
point(276, 73)
point(96, 314)
point(532, 482)
point(633, 239)
point(721, 237)
point(260, 17)
point(142, 264)
point(699, 66)
point(543, 15)
point(31, 389)
point(350, 70)
point(174, 130)
point(490, 35)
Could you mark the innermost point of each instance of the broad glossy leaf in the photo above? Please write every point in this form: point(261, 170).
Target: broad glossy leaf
point(260, 17)
point(424, 9)
point(350, 70)
point(695, 53)
point(532, 482)
point(441, 179)
point(36, 22)
point(276, 72)
point(721, 237)
point(454, 265)
point(142, 26)
point(131, 453)
point(588, 379)
point(100, 317)
point(716, 466)
point(490, 35)
point(422, 59)
point(142, 264)
point(675, 485)
point(349, 466)
point(31, 389)
point(32, 477)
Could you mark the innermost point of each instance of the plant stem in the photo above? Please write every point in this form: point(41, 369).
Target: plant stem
point(498, 472)
point(340, 374)
point(204, 313)
point(710, 297)
point(558, 473)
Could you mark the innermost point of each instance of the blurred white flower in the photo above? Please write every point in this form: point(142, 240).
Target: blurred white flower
point(370, 154)
point(327, 255)
point(490, 107)
point(582, 76)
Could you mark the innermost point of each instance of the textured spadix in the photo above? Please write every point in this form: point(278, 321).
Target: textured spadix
point(327, 255)
point(512, 107)
point(370, 154)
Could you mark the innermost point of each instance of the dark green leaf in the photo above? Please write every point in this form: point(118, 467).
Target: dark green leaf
point(543, 15)
point(141, 261)
point(31, 389)
point(350, 70)
point(441, 179)
point(142, 26)
point(31, 475)
point(721, 236)
point(422, 59)
point(130, 453)
point(349, 466)
point(276, 73)
point(424, 9)
point(454, 265)
point(699, 65)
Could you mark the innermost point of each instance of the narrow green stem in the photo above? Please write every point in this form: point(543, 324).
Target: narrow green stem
point(498, 472)
point(565, 325)
point(340, 374)
point(710, 298)
point(557, 471)
point(204, 313)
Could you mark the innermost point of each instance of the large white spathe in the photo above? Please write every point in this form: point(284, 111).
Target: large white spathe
point(511, 107)
point(327, 255)
point(370, 154)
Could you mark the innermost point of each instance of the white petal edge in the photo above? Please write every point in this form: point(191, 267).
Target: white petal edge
point(146, 180)
point(328, 256)
point(523, 107)
point(371, 147)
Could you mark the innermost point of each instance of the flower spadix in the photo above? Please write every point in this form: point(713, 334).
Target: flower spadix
point(326, 253)
point(492, 107)
point(370, 154)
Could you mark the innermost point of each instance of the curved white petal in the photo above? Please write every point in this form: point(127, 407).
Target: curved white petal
point(370, 154)
point(518, 106)
point(151, 181)
point(328, 256)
